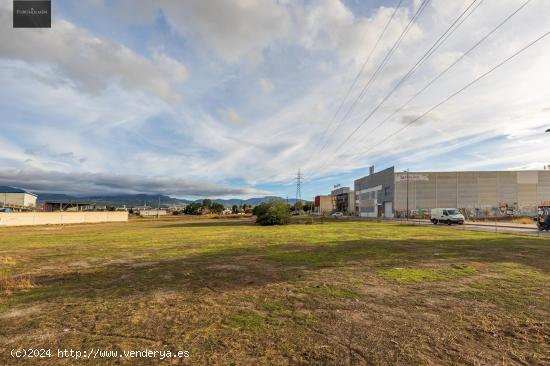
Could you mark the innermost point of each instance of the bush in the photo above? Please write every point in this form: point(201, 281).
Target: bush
point(272, 213)
point(193, 208)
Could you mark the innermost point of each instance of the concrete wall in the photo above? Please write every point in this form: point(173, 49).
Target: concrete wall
point(482, 194)
point(18, 199)
point(57, 218)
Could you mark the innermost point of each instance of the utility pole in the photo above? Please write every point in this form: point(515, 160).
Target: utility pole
point(299, 178)
point(407, 194)
point(158, 207)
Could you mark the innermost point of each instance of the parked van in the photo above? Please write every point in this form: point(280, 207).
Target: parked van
point(446, 216)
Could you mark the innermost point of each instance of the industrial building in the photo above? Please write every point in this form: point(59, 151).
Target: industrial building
point(152, 212)
point(477, 194)
point(17, 198)
point(343, 200)
point(322, 205)
point(53, 206)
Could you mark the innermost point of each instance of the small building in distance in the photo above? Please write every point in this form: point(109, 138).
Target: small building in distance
point(152, 212)
point(322, 205)
point(17, 198)
point(343, 200)
point(53, 206)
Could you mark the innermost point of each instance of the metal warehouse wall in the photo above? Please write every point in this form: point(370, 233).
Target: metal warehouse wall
point(477, 193)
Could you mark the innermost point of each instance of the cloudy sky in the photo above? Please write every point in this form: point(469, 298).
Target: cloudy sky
point(227, 98)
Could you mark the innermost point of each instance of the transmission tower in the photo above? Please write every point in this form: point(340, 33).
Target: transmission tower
point(299, 178)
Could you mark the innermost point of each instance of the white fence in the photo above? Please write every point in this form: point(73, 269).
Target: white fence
point(59, 218)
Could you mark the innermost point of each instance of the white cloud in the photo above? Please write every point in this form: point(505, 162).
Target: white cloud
point(234, 29)
point(231, 115)
point(311, 51)
point(265, 85)
point(89, 63)
point(76, 183)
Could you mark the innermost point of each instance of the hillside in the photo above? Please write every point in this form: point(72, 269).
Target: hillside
point(131, 200)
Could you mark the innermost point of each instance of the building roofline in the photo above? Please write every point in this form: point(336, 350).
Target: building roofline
point(9, 189)
point(470, 171)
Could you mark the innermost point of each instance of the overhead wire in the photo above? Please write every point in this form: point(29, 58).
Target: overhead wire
point(365, 63)
point(530, 44)
point(415, 67)
point(385, 60)
point(433, 80)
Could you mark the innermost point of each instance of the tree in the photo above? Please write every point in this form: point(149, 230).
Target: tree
point(260, 209)
point(235, 209)
point(272, 213)
point(206, 203)
point(298, 206)
point(217, 207)
point(308, 206)
point(193, 208)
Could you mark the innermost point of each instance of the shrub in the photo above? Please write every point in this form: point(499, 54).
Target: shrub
point(272, 213)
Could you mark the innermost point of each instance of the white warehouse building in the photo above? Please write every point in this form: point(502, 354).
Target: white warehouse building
point(477, 193)
point(16, 198)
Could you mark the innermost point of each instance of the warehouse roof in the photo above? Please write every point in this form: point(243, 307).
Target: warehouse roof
point(7, 189)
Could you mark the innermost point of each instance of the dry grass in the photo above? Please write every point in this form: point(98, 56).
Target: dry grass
point(231, 292)
point(523, 220)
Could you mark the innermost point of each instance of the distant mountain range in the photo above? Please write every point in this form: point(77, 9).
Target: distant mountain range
point(131, 200)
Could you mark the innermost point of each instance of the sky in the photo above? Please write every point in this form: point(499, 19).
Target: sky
point(229, 98)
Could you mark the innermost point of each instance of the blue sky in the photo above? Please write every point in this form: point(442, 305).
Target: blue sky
point(229, 98)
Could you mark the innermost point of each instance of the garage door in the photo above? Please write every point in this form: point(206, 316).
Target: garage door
point(388, 209)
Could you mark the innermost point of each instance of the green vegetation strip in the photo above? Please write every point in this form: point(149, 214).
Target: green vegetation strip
point(415, 275)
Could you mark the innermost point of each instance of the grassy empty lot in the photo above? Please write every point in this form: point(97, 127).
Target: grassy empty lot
point(231, 292)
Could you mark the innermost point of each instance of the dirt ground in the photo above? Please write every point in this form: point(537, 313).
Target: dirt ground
point(312, 293)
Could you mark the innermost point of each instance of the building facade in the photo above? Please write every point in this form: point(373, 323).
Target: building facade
point(17, 198)
point(322, 205)
point(476, 194)
point(153, 212)
point(343, 200)
point(374, 194)
point(53, 206)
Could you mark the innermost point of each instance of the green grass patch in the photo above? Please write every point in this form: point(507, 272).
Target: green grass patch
point(331, 291)
point(273, 306)
point(415, 275)
point(518, 287)
point(245, 319)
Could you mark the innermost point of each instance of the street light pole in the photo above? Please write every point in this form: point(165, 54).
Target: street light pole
point(407, 194)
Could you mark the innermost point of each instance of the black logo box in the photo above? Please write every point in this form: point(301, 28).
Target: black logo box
point(32, 14)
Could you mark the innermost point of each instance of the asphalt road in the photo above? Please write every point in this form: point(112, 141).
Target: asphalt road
point(504, 228)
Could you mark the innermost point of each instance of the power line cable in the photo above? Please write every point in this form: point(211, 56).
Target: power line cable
point(462, 89)
point(448, 36)
point(437, 77)
point(380, 36)
point(449, 67)
point(386, 59)
point(418, 63)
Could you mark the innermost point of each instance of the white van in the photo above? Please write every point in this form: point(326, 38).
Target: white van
point(446, 216)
